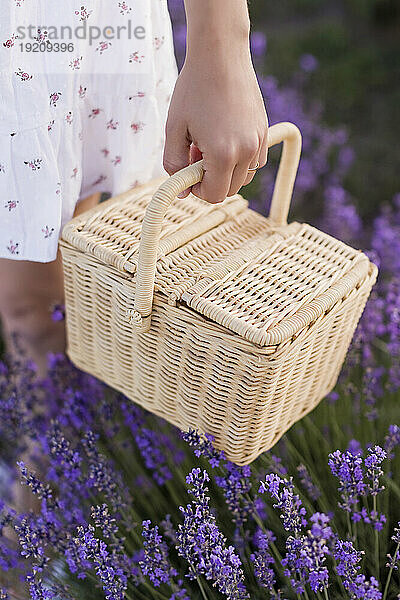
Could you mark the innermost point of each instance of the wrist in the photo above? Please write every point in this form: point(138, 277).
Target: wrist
point(216, 31)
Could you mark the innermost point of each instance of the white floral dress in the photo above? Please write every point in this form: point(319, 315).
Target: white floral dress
point(84, 92)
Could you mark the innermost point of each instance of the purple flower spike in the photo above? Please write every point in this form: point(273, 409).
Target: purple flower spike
point(392, 440)
point(348, 469)
point(202, 446)
point(204, 547)
point(395, 559)
point(86, 550)
point(348, 559)
point(104, 521)
point(292, 511)
point(236, 486)
point(41, 490)
point(155, 563)
point(373, 462)
point(263, 560)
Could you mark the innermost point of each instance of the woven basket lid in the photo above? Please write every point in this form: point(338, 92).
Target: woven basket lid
point(270, 288)
point(258, 277)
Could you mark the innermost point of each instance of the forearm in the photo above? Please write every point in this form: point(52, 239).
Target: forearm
point(217, 29)
point(217, 111)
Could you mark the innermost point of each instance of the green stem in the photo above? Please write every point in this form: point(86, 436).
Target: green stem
point(377, 565)
point(390, 574)
point(349, 524)
point(202, 590)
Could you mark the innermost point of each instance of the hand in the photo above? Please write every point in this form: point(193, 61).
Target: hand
point(217, 113)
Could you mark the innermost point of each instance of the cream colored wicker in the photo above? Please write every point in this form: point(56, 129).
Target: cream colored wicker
point(213, 317)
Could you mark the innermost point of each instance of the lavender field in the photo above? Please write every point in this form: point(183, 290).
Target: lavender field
point(124, 506)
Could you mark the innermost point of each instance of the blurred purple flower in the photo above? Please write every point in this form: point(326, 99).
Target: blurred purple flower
point(392, 440)
point(308, 62)
point(258, 43)
point(58, 312)
point(307, 483)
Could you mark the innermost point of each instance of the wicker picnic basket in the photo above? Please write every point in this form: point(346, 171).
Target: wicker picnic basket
point(213, 316)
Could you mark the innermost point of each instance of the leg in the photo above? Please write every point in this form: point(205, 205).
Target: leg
point(27, 291)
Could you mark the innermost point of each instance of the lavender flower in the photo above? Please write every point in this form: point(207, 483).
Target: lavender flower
point(84, 550)
point(277, 466)
point(348, 559)
point(258, 43)
point(305, 560)
point(393, 561)
point(374, 471)
point(354, 447)
point(308, 62)
point(307, 483)
point(65, 460)
point(203, 546)
point(263, 560)
point(292, 511)
point(169, 530)
point(104, 521)
point(58, 312)
point(102, 475)
point(396, 535)
point(149, 443)
point(236, 485)
point(37, 590)
point(155, 563)
point(371, 518)
point(32, 539)
point(348, 469)
point(392, 440)
point(40, 489)
point(203, 446)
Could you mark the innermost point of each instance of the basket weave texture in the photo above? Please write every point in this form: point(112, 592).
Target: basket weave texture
point(213, 317)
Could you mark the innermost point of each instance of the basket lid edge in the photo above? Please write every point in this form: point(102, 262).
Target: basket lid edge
point(364, 269)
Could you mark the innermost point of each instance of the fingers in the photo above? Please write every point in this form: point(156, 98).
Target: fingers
point(249, 152)
point(218, 170)
point(176, 148)
point(225, 169)
point(261, 158)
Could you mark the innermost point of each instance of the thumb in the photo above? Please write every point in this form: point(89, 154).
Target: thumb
point(176, 149)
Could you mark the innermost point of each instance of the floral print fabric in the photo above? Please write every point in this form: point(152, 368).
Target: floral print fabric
point(89, 118)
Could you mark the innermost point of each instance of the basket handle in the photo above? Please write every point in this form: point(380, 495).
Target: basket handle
point(284, 132)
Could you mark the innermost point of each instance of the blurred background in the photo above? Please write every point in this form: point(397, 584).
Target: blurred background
point(332, 67)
